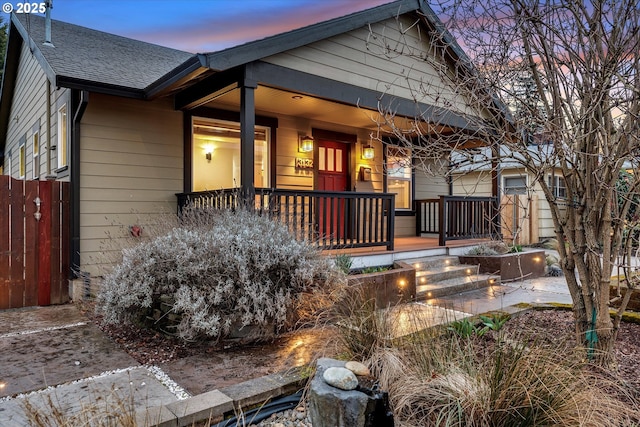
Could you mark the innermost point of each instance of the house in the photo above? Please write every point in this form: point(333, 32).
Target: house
point(524, 210)
point(292, 120)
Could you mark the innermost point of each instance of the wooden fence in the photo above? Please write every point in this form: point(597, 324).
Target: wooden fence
point(34, 243)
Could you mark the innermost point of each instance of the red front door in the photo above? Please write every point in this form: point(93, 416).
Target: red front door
point(332, 177)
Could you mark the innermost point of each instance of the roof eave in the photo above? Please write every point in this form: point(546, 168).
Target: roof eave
point(252, 51)
point(188, 70)
point(99, 87)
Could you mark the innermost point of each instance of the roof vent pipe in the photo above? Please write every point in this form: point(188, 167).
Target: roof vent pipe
point(47, 23)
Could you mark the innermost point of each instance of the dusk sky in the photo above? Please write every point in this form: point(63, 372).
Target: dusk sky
point(199, 25)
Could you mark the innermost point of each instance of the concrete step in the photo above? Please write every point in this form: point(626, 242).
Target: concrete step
point(436, 274)
point(430, 262)
point(452, 286)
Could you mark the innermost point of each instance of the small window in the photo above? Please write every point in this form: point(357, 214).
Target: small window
point(36, 158)
point(399, 175)
point(558, 186)
point(22, 161)
point(515, 185)
point(63, 135)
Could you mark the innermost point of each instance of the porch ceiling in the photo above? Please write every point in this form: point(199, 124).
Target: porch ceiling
point(269, 101)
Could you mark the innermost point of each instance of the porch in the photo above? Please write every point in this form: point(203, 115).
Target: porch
point(362, 223)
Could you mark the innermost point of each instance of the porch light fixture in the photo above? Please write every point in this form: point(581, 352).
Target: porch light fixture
point(305, 144)
point(368, 152)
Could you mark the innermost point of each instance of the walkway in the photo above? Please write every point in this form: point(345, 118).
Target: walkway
point(55, 354)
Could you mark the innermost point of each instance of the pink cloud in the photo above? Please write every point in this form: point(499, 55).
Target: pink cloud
point(214, 33)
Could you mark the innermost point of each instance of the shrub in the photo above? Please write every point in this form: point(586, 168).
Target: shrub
point(343, 262)
point(218, 270)
point(482, 250)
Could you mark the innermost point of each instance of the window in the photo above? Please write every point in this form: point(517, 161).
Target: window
point(216, 155)
point(36, 158)
point(515, 185)
point(22, 161)
point(558, 186)
point(399, 175)
point(63, 135)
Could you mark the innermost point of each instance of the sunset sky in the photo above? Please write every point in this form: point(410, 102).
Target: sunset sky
point(200, 25)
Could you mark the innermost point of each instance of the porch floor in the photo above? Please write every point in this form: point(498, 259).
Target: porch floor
point(407, 244)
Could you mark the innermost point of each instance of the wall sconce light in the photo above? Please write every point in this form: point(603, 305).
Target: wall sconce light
point(368, 152)
point(305, 144)
point(208, 153)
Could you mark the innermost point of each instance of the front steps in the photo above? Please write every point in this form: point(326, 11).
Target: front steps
point(439, 276)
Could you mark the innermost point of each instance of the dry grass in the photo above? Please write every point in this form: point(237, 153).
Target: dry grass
point(439, 378)
point(113, 410)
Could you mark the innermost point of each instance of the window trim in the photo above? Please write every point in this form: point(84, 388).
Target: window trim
point(504, 184)
point(554, 186)
point(22, 159)
point(411, 209)
point(35, 154)
point(62, 147)
point(269, 134)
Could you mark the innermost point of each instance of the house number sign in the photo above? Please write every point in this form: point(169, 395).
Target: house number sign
point(304, 163)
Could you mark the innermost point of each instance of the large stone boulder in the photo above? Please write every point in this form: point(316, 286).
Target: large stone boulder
point(332, 407)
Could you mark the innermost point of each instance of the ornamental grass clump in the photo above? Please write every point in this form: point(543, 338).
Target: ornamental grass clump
point(218, 270)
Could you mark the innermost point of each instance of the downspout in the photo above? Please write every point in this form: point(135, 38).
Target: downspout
point(75, 180)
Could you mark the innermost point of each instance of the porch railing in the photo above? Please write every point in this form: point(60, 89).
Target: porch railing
point(332, 220)
point(458, 217)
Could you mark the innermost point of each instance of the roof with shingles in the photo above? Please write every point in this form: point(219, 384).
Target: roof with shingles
point(84, 54)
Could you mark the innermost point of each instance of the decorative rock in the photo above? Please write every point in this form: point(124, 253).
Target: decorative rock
point(341, 378)
point(357, 368)
point(331, 407)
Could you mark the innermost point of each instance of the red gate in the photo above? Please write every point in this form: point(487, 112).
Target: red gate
point(34, 243)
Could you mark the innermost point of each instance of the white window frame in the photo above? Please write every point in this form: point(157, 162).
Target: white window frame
point(558, 191)
point(35, 146)
point(510, 190)
point(63, 145)
point(409, 179)
point(22, 160)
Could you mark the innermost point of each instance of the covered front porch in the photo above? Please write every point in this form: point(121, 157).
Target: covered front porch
point(361, 222)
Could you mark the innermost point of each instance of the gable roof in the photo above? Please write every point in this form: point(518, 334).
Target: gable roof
point(85, 56)
point(255, 50)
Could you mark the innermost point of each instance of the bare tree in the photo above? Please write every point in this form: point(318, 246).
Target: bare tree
point(557, 86)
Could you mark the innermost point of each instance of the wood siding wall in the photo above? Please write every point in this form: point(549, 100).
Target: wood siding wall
point(29, 110)
point(131, 168)
point(374, 63)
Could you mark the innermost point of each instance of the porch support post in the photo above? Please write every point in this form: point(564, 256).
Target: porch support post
point(248, 86)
